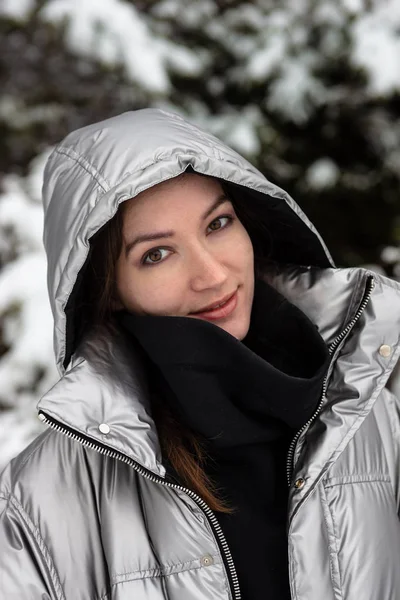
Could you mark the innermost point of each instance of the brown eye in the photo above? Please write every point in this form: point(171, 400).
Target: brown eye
point(218, 224)
point(154, 257)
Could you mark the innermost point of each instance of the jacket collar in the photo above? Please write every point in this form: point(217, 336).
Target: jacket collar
point(104, 383)
point(329, 297)
point(361, 365)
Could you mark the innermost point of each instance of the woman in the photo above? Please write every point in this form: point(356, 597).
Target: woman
point(221, 428)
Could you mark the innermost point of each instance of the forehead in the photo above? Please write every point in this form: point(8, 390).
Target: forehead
point(188, 191)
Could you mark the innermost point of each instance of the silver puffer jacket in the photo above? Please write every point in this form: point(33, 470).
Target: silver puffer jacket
point(85, 511)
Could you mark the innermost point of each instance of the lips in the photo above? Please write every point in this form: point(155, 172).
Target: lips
point(221, 312)
point(215, 304)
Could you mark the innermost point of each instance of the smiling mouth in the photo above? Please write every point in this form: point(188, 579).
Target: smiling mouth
point(219, 311)
point(211, 307)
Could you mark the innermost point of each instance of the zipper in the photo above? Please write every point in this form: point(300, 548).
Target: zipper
point(290, 455)
point(106, 451)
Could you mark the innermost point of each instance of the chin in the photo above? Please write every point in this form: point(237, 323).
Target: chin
point(237, 330)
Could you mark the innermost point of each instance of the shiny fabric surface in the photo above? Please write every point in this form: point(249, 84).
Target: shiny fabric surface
point(78, 524)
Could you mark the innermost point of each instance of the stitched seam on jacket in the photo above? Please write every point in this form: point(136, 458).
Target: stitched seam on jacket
point(157, 572)
point(390, 402)
point(86, 165)
point(354, 479)
point(293, 568)
point(106, 185)
point(172, 154)
point(334, 566)
point(40, 544)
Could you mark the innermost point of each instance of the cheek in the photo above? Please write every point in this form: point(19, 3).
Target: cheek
point(143, 292)
point(245, 250)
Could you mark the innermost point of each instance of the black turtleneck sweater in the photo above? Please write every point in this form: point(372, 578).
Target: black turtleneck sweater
point(245, 399)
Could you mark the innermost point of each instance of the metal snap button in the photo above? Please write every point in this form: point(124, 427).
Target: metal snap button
point(385, 350)
point(104, 428)
point(207, 560)
point(299, 483)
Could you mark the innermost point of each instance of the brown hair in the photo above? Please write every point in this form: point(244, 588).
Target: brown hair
point(183, 448)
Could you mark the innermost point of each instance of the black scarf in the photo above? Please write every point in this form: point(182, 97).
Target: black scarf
point(245, 399)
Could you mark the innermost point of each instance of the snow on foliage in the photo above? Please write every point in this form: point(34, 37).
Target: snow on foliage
point(16, 9)
point(376, 41)
point(391, 256)
point(239, 130)
point(296, 93)
point(283, 51)
point(195, 14)
point(27, 369)
point(113, 32)
point(323, 173)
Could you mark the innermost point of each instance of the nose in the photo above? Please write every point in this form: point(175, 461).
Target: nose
point(207, 271)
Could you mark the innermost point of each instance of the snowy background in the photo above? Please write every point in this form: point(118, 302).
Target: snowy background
point(309, 91)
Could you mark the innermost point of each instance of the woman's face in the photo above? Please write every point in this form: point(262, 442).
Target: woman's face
point(183, 250)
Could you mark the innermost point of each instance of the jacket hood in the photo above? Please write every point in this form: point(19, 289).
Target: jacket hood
point(96, 168)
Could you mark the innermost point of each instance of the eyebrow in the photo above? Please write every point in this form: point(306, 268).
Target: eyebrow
point(149, 237)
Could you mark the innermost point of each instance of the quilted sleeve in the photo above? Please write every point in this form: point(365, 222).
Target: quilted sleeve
point(26, 570)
